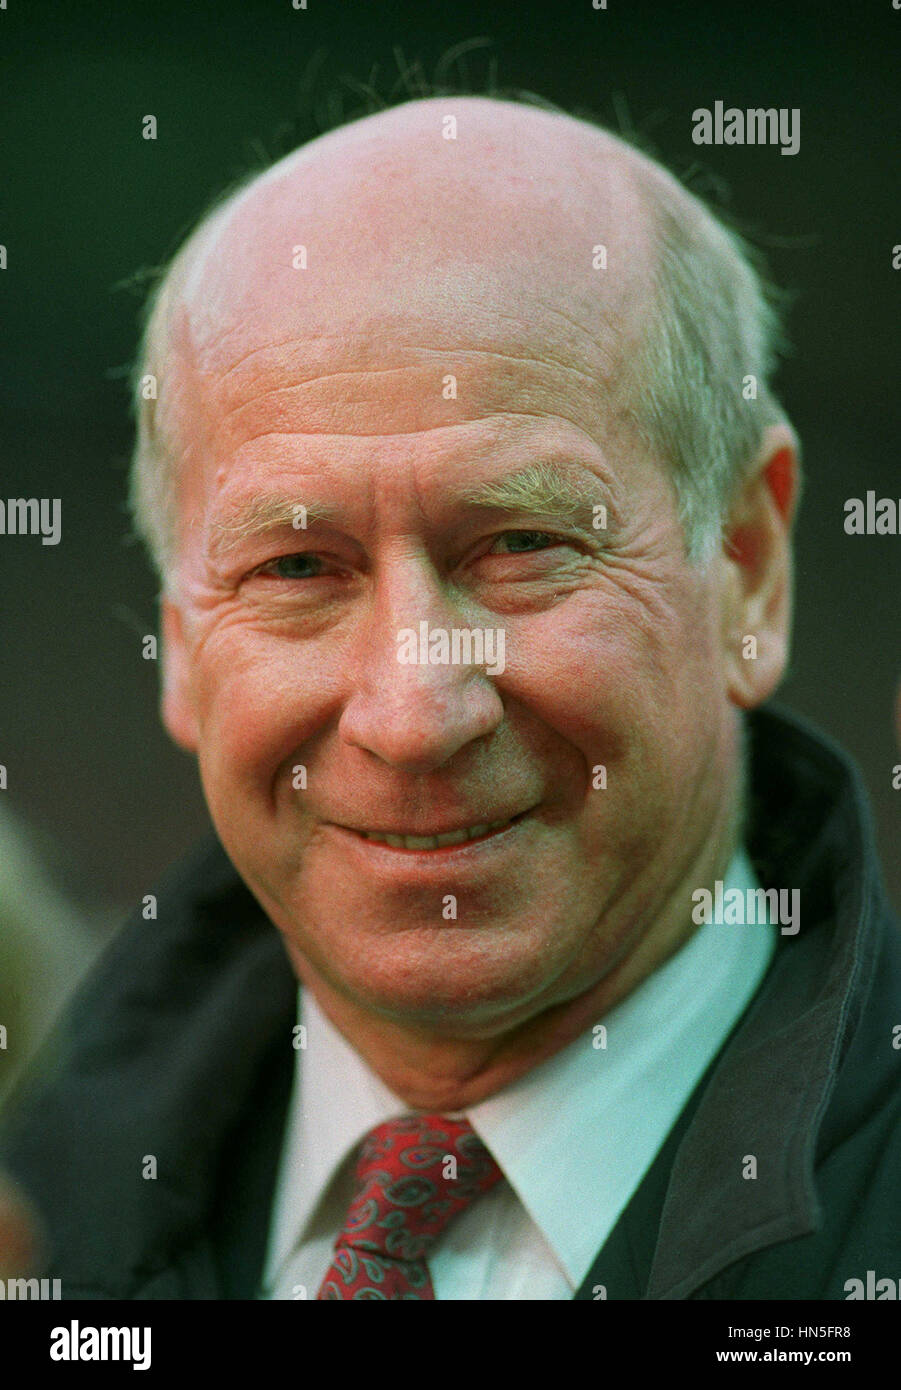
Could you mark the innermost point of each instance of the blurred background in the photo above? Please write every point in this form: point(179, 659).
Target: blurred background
point(87, 207)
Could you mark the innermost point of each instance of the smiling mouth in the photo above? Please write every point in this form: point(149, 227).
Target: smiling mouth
point(452, 837)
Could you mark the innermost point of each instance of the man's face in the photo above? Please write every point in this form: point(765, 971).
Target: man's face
point(606, 744)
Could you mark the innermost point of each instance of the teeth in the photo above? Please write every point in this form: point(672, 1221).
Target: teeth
point(453, 837)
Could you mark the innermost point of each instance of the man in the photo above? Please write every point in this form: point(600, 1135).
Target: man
point(473, 508)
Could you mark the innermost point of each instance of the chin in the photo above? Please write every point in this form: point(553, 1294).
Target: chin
point(467, 985)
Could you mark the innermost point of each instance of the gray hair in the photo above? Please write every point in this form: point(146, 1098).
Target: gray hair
point(699, 385)
point(713, 324)
point(153, 478)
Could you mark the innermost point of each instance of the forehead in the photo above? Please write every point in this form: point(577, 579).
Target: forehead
point(392, 281)
point(390, 371)
point(523, 218)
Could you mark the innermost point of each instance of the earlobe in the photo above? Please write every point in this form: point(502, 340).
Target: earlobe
point(176, 702)
point(755, 666)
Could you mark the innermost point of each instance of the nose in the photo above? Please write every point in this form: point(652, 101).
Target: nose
point(415, 714)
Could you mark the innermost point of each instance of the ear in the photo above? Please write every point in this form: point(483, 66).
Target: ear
point(177, 703)
point(757, 594)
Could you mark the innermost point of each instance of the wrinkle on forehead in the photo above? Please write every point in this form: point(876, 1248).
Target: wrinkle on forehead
point(414, 239)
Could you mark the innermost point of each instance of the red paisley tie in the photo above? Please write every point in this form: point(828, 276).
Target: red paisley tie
point(413, 1176)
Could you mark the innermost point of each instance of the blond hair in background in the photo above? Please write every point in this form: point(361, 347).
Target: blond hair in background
point(45, 948)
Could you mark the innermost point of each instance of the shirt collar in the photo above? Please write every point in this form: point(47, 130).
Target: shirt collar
point(322, 1133)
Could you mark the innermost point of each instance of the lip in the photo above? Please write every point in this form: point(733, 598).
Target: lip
point(490, 838)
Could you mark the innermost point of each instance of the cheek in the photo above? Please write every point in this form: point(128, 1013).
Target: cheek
point(610, 672)
point(258, 698)
point(632, 695)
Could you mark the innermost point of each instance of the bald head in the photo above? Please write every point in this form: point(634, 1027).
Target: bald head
point(447, 207)
point(419, 227)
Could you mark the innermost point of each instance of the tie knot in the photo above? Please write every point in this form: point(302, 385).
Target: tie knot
point(413, 1176)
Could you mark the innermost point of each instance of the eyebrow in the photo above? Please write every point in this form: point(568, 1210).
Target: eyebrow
point(263, 514)
point(538, 488)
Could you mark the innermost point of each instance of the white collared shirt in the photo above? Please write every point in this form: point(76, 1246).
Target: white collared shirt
point(574, 1136)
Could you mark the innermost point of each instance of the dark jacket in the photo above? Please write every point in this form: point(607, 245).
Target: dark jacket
point(179, 1046)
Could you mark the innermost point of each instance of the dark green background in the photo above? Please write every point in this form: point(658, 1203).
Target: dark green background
point(85, 202)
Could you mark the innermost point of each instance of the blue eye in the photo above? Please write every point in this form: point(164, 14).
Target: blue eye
point(524, 541)
point(299, 566)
